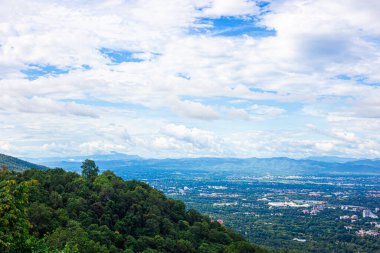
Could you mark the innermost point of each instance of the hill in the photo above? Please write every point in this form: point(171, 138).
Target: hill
point(14, 163)
point(57, 211)
point(280, 166)
point(331, 159)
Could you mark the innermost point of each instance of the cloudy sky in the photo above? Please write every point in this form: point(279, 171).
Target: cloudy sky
point(188, 78)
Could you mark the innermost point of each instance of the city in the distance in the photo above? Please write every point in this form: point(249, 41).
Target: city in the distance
point(189, 126)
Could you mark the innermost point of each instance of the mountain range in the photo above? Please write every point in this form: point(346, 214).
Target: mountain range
point(242, 166)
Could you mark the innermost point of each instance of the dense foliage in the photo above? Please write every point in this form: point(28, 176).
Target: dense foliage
point(58, 211)
point(14, 163)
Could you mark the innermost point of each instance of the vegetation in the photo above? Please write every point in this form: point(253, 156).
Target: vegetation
point(246, 210)
point(14, 163)
point(57, 211)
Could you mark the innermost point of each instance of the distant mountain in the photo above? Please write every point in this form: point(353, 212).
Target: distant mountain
point(280, 166)
point(331, 159)
point(14, 163)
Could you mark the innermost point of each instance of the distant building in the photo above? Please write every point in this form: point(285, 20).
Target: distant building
point(318, 207)
point(219, 221)
point(373, 233)
point(313, 212)
point(363, 232)
point(368, 214)
point(299, 240)
point(225, 204)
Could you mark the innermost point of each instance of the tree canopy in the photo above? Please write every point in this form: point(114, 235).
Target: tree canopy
point(59, 211)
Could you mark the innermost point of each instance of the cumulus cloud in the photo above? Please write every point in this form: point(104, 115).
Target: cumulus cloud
point(200, 139)
point(5, 147)
point(97, 147)
point(324, 146)
point(218, 8)
point(320, 69)
point(254, 112)
point(45, 105)
point(195, 110)
point(335, 133)
point(267, 110)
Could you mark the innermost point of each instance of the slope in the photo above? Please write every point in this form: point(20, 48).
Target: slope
point(14, 163)
point(104, 213)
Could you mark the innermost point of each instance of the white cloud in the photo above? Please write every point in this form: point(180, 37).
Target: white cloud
point(162, 142)
point(100, 147)
point(237, 113)
point(324, 146)
point(198, 138)
point(45, 105)
point(253, 112)
point(5, 147)
point(267, 110)
point(335, 133)
point(324, 58)
point(220, 8)
point(195, 110)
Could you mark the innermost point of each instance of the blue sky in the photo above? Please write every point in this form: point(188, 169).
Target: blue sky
point(236, 78)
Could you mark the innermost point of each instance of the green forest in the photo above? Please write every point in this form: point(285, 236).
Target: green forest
point(57, 211)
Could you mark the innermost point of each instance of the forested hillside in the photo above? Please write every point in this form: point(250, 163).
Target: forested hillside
point(58, 211)
point(14, 163)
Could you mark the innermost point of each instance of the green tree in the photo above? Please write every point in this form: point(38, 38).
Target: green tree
point(243, 247)
point(14, 226)
point(89, 169)
point(184, 246)
point(74, 234)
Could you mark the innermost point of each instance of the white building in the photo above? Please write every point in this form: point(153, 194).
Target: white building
point(368, 214)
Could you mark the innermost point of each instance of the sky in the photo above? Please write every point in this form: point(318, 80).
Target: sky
point(190, 78)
